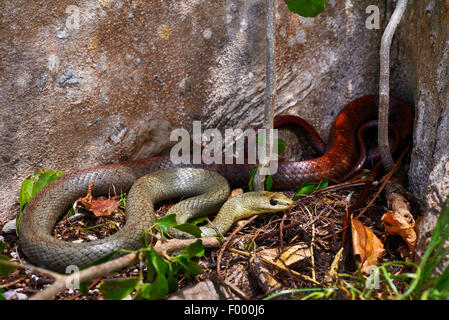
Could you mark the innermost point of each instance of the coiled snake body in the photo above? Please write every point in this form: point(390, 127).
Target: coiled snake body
point(209, 189)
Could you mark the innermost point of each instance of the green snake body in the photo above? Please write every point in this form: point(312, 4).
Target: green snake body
point(206, 192)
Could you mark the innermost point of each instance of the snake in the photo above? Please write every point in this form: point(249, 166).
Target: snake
point(207, 185)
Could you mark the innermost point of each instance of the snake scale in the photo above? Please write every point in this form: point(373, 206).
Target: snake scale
point(42, 212)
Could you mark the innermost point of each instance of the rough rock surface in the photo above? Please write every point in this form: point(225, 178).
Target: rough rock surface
point(76, 93)
point(106, 81)
point(422, 66)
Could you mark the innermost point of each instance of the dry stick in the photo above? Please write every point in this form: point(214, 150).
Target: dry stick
point(62, 282)
point(385, 180)
point(102, 269)
point(226, 243)
point(270, 98)
point(30, 267)
point(282, 267)
point(384, 84)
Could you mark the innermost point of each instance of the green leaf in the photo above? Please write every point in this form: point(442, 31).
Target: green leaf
point(172, 282)
point(195, 249)
point(190, 267)
point(32, 185)
point(168, 221)
point(4, 269)
point(118, 289)
point(158, 289)
point(84, 288)
point(308, 188)
point(279, 146)
point(306, 8)
point(198, 220)
point(160, 264)
point(45, 178)
point(151, 270)
point(141, 291)
point(190, 228)
point(25, 192)
point(268, 183)
point(1, 295)
point(252, 174)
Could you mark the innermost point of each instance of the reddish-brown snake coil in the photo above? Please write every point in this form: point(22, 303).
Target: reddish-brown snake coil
point(50, 203)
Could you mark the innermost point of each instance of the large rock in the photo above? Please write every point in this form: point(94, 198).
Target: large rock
point(78, 95)
point(422, 65)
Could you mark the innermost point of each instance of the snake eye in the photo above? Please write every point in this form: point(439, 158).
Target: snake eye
point(273, 202)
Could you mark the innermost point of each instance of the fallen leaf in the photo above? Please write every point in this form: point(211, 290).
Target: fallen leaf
point(333, 270)
point(235, 192)
point(397, 224)
point(366, 246)
point(289, 256)
point(100, 207)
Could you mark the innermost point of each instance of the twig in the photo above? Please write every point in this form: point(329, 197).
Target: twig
point(270, 97)
point(166, 248)
point(344, 185)
point(312, 243)
point(226, 243)
point(387, 178)
point(30, 267)
point(246, 254)
point(96, 271)
point(384, 84)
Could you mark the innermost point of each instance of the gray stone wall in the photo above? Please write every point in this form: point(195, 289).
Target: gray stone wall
point(78, 97)
point(113, 88)
point(422, 66)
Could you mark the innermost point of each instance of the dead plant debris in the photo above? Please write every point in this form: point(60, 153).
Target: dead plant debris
point(315, 222)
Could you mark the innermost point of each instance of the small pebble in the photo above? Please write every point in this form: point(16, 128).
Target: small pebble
point(91, 237)
point(9, 227)
point(13, 294)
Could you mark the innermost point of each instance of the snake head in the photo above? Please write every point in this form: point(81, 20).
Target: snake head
point(265, 201)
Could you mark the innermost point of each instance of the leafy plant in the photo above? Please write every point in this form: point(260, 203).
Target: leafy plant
point(162, 274)
point(5, 269)
point(278, 147)
point(306, 8)
point(32, 185)
point(309, 187)
point(169, 221)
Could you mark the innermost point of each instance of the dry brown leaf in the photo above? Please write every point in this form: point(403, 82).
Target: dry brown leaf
point(398, 224)
point(235, 192)
point(366, 246)
point(100, 207)
point(289, 256)
point(333, 270)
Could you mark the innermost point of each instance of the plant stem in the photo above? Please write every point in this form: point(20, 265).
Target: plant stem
point(384, 84)
point(270, 96)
